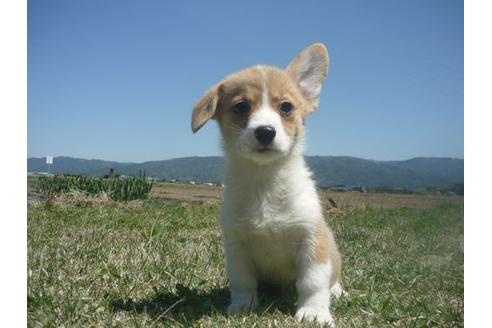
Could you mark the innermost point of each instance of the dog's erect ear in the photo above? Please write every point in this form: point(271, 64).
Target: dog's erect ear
point(205, 108)
point(309, 70)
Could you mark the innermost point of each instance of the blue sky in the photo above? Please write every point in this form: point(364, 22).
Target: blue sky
point(116, 80)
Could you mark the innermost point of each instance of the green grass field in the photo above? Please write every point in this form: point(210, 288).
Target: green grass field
point(161, 264)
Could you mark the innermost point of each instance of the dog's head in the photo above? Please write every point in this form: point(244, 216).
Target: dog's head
point(261, 110)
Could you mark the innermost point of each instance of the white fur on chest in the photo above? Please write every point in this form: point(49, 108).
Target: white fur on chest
point(271, 216)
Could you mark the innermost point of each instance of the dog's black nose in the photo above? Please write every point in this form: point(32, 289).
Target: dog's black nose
point(265, 134)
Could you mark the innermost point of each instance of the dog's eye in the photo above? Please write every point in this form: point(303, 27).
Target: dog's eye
point(286, 107)
point(241, 107)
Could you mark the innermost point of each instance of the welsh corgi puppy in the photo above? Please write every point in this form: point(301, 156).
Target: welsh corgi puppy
point(271, 218)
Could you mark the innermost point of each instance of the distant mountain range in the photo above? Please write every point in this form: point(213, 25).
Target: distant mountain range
point(412, 174)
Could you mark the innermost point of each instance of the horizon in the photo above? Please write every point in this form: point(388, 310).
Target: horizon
point(174, 158)
point(123, 86)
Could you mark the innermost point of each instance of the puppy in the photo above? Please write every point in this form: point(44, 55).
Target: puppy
point(271, 217)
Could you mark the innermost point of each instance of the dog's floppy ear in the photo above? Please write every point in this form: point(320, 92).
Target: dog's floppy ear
point(309, 70)
point(205, 108)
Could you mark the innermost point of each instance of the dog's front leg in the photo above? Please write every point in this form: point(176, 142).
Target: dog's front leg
point(242, 279)
point(313, 291)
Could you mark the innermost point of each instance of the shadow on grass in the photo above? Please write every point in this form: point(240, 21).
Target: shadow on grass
point(187, 305)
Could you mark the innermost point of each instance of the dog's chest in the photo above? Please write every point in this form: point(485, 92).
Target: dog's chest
point(272, 239)
point(274, 254)
point(271, 221)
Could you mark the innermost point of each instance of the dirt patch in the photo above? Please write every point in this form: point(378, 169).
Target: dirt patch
point(213, 195)
point(355, 199)
point(210, 195)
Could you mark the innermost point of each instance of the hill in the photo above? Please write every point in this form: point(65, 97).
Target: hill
point(328, 170)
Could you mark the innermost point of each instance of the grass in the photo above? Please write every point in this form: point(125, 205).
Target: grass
point(32, 183)
point(136, 187)
point(161, 264)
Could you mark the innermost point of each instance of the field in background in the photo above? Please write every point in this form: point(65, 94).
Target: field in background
point(211, 194)
point(187, 192)
point(160, 263)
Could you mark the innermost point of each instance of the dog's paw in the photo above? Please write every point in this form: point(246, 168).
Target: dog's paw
point(321, 315)
point(242, 305)
point(337, 290)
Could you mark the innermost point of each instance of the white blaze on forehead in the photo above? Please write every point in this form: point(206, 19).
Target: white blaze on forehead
point(265, 115)
point(264, 96)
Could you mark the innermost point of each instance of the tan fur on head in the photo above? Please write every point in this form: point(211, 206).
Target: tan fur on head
point(248, 85)
point(300, 83)
point(205, 108)
point(309, 69)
